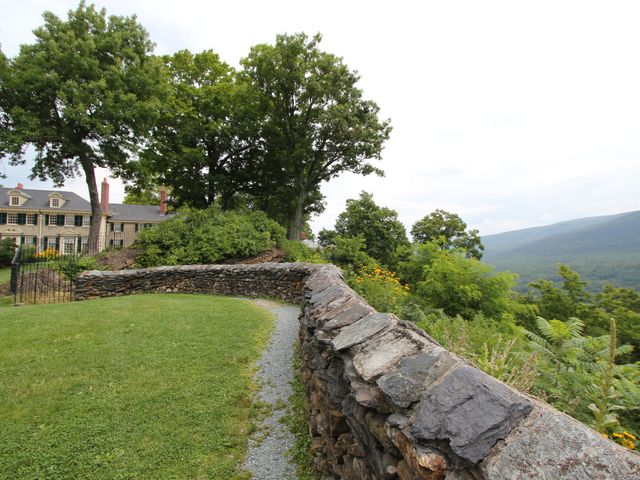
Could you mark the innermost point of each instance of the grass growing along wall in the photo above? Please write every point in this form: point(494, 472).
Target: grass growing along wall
point(148, 386)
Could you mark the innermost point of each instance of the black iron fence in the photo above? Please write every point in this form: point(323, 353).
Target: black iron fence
point(44, 277)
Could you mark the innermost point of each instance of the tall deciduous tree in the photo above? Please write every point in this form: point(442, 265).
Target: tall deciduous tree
point(317, 123)
point(208, 126)
point(449, 231)
point(82, 96)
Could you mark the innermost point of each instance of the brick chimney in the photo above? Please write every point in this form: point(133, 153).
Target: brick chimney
point(20, 186)
point(104, 195)
point(163, 201)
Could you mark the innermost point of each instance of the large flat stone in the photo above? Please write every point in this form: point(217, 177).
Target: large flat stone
point(331, 292)
point(405, 383)
point(471, 410)
point(375, 361)
point(552, 445)
point(359, 331)
point(351, 313)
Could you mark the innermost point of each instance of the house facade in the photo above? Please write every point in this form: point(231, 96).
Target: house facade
point(61, 220)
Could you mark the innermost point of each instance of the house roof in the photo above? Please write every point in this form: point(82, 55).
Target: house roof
point(122, 212)
point(40, 200)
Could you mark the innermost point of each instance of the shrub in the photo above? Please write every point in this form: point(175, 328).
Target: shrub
point(71, 266)
point(7, 250)
point(208, 236)
point(382, 289)
point(295, 251)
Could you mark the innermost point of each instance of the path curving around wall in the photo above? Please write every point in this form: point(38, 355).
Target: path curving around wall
point(267, 457)
point(384, 400)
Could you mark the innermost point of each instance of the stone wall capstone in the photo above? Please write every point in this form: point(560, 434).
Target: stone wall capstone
point(384, 400)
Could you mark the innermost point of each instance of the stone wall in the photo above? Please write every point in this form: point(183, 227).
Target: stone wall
point(385, 401)
point(277, 280)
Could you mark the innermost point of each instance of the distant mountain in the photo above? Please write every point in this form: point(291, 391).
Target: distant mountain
point(602, 249)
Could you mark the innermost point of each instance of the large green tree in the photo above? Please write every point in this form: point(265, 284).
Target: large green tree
point(81, 96)
point(208, 127)
point(317, 123)
point(379, 227)
point(450, 231)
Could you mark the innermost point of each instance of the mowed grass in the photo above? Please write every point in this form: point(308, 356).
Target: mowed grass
point(5, 275)
point(139, 387)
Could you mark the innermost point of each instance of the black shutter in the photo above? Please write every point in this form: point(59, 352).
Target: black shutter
point(136, 228)
point(57, 244)
point(111, 226)
point(3, 218)
point(35, 219)
point(45, 243)
point(46, 219)
point(22, 240)
point(60, 220)
point(77, 221)
point(22, 218)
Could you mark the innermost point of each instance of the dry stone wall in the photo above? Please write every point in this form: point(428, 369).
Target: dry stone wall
point(384, 400)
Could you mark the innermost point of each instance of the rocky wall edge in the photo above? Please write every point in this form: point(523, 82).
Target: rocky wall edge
point(386, 401)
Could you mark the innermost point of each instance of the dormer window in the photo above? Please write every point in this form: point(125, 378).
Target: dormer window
point(55, 203)
point(15, 201)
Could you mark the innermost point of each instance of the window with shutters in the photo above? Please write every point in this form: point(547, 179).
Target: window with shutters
point(53, 220)
point(31, 218)
point(12, 219)
point(86, 221)
point(69, 221)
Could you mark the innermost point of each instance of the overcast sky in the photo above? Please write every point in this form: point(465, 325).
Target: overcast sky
point(511, 114)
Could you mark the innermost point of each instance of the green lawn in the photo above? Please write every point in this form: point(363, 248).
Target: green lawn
point(5, 275)
point(139, 387)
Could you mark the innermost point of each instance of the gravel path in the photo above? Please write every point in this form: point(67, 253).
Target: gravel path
point(267, 458)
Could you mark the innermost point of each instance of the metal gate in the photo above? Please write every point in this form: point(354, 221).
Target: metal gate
point(42, 278)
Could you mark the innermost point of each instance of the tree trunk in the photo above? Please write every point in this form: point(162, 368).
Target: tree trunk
point(298, 216)
point(96, 209)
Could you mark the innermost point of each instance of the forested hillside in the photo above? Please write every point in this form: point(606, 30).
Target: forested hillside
point(602, 249)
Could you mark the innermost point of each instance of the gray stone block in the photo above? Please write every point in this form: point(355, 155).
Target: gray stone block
point(361, 330)
point(351, 313)
point(379, 358)
point(405, 383)
point(550, 445)
point(471, 410)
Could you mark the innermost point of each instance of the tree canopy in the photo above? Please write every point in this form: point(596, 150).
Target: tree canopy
point(207, 126)
point(316, 122)
point(83, 96)
point(450, 231)
point(379, 228)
